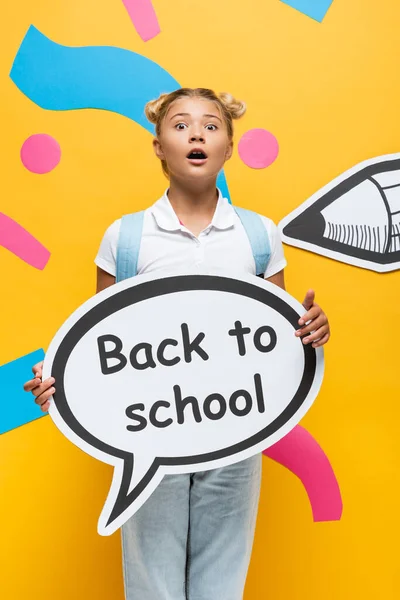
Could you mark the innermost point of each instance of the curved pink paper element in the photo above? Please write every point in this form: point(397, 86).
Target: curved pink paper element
point(258, 148)
point(40, 153)
point(143, 17)
point(299, 452)
point(21, 243)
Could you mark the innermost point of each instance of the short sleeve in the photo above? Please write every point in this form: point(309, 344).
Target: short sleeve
point(277, 260)
point(106, 257)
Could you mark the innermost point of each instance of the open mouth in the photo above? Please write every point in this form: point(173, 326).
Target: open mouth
point(197, 155)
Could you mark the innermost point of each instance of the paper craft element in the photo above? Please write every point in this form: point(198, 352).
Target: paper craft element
point(57, 77)
point(207, 387)
point(21, 243)
point(40, 153)
point(299, 452)
point(258, 148)
point(354, 219)
point(316, 9)
point(17, 407)
point(143, 17)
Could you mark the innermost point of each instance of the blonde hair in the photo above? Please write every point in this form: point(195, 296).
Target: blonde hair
point(230, 108)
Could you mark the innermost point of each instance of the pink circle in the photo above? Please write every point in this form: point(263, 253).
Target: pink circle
point(258, 148)
point(40, 153)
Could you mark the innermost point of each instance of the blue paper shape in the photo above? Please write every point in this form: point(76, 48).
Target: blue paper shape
point(316, 9)
point(16, 406)
point(57, 77)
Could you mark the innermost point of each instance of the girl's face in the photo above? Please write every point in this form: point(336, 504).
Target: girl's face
point(193, 140)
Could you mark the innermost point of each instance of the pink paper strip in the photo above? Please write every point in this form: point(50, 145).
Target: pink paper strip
point(143, 17)
point(21, 243)
point(299, 452)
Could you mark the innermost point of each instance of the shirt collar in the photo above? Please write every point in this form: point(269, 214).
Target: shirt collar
point(166, 218)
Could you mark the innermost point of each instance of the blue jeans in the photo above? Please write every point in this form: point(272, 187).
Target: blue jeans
point(193, 537)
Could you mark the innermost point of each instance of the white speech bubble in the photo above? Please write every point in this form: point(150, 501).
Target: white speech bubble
point(179, 374)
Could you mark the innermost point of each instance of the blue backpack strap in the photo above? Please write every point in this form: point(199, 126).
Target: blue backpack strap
point(130, 237)
point(258, 238)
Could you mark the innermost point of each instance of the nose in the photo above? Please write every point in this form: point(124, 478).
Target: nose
point(196, 138)
point(196, 135)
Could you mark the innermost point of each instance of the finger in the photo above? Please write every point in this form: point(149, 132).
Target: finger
point(322, 341)
point(43, 386)
point(311, 314)
point(316, 335)
point(31, 384)
point(43, 398)
point(37, 369)
point(315, 324)
point(309, 299)
point(45, 407)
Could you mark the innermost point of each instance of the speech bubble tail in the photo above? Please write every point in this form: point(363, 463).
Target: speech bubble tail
point(133, 483)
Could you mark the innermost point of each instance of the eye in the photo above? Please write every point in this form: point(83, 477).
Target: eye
point(180, 126)
point(214, 127)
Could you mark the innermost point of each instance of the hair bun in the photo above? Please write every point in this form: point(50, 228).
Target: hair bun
point(153, 108)
point(236, 108)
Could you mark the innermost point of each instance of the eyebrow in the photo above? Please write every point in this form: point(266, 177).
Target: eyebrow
point(188, 115)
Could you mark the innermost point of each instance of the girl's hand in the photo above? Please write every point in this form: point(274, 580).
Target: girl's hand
point(41, 390)
point(314, 322)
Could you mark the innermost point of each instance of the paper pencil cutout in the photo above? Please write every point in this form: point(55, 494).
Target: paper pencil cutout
point(354, 219)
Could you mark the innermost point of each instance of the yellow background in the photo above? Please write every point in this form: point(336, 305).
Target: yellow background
point(330, 93)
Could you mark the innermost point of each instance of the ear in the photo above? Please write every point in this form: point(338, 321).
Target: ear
point(229, 150)
point(158, 149)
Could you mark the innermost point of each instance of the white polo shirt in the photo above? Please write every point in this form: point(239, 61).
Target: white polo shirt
point(168, 246)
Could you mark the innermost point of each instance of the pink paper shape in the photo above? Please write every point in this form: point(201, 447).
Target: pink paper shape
point(21, 243)
point(143, 17)
point(258, 148)
point(299, 452)
point(40, 153)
